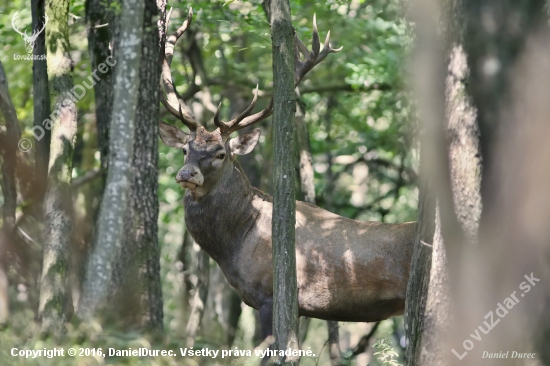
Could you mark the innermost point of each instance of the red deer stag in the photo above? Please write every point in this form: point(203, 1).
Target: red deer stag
point(347, 270)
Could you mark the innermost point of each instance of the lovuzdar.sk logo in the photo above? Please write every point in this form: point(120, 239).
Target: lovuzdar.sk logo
point(30, 40)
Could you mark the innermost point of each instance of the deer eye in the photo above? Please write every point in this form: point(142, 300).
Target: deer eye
point(220, 156)
point(184, 151)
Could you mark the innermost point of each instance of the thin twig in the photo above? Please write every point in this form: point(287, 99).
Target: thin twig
point(363, 343)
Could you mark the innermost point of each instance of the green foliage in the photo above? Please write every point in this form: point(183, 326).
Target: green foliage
point(387, 353)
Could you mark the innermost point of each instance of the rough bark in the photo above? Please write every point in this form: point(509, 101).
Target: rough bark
point(144, 197)
point(41, 99)
point(140, 252)
point(57, 207)
point(115, 201)
point(285, 299)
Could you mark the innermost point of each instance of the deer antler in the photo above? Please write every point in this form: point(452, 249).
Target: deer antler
point(172, 100)
point(301, 68)
point(310, 58)
point(243, 120)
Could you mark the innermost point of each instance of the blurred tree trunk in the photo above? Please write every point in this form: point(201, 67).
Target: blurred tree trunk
point(449, 202)
point(200, 293)
point(430, 263)
point(285, 306)
point(8, 148)
point(8, 152)
point(329, 176)
point(115, 203)
point(494, 39)
point(41, 96)
point(57, 210)
point(507, 44)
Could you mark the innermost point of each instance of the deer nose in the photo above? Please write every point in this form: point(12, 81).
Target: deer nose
point(185, 175)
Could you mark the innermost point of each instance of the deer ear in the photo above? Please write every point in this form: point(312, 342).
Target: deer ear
point(172, 136)
point(243, 144)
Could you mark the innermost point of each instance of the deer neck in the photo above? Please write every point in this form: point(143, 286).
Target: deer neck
point(220, 221)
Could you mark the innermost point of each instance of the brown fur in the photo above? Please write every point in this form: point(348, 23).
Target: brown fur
point(203, 138)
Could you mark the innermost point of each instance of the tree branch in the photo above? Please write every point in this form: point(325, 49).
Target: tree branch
point(363, 343)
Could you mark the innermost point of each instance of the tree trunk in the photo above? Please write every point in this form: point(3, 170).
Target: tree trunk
point(110, 231)
point(41, 96)
point(140, 254)
point(198, 302)
point(57, 208)
point(507, 46)
point(495, 36)
point(285, 307)
point(450, 202)
point(8, 150)
point(98, 47)
point(507, 52)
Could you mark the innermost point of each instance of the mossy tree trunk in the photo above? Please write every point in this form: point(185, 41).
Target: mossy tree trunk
point(57, 208)
point(41, 96)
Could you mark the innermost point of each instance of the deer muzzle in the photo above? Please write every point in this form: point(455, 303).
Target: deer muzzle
point(189, 177)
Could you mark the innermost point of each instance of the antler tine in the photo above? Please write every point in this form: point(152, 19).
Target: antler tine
point(217, 120)
point(255, 118)
point(171, 40)
point(172, 101)
point(246, 112)
point(235, 124)
point(303, 67)
point(327, 49)
point(311, 58)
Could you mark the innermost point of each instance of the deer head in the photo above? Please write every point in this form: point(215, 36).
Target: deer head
point(29, 40)
point(208, 154)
